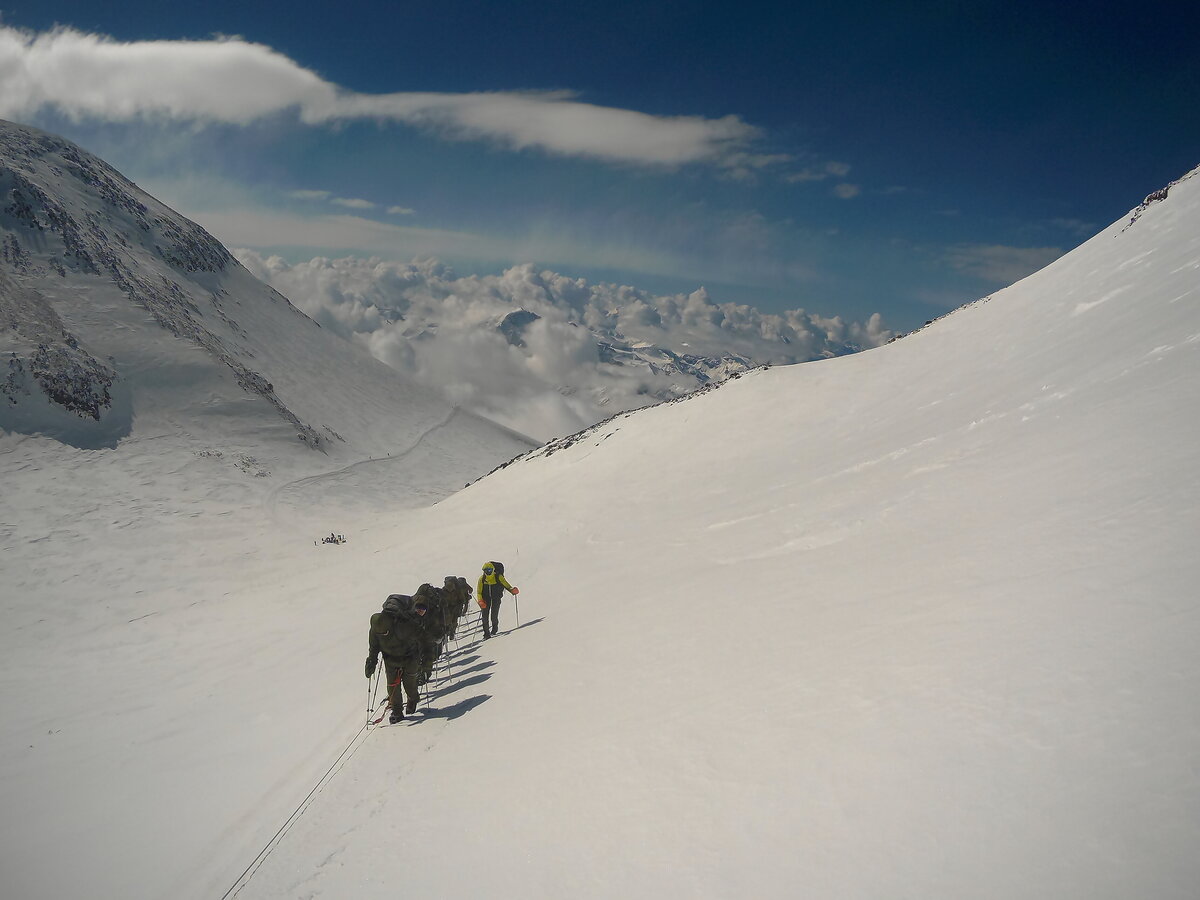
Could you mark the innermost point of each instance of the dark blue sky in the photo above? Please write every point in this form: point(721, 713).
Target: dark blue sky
point(926, 153)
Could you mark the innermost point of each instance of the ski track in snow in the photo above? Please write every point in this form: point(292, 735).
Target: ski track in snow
point(298, 489)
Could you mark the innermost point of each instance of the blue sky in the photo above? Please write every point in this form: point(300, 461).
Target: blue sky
point(869, 157)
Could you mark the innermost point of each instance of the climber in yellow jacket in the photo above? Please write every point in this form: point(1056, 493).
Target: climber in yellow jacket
point(492, 586)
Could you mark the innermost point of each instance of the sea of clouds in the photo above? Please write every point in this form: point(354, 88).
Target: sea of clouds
point(541, 352)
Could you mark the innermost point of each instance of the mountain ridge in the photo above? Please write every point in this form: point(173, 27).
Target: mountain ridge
point(88, 261)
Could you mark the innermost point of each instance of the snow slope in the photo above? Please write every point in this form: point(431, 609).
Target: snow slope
point(917, 622)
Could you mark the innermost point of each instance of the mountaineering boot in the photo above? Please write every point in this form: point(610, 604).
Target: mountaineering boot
point(395, 717)
point(412, 706)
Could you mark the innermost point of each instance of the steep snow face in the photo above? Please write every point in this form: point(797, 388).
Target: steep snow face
point(112, 302)
point(65, 213)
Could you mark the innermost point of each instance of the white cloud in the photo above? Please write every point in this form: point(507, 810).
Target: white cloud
point(309, 195)
point(234, 81)
point(831, 169)
point(1077, 227)
point(998, 263)
point(353, 203)
point(401, 211)
point(847, 191)
point(347, 202)
point(244, 226)
point(443, 331)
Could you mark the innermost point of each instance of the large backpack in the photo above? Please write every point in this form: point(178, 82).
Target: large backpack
point(499, 566)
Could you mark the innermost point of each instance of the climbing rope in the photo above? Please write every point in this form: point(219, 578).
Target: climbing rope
point(245, 877)
point(445, 676)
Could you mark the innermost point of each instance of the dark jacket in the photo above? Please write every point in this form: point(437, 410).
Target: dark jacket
point(437, 623)
point(396, 633)
point(458, 592)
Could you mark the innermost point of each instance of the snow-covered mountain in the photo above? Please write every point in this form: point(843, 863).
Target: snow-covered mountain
point(919, 621)
point(542, 353)
point(111, 302)
point(545, 352)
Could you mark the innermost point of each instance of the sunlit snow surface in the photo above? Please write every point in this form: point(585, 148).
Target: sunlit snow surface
point(918, 622)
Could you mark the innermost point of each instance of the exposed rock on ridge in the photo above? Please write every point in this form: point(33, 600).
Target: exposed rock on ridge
point(65, 212)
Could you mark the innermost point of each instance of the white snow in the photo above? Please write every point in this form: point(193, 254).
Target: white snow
point(918, 622)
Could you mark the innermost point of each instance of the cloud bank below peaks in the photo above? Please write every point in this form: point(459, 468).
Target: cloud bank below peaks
point(541, 352)
point(231, 80)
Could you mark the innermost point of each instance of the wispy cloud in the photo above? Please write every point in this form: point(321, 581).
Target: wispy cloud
point(331, 233)
point(310, 195)
point(257, 227)
point(347, 202)
point(998, 263)
point(831, 169)
point(847, 191)
point(696, 244)
point(1077, 227)
point(353, 203)
point(234, 81)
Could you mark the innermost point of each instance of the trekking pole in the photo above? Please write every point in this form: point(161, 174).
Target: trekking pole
point(372, 690)
point(444, 665)
point(516, 602)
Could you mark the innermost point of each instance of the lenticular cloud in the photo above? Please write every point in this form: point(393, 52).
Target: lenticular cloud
point(235, 81)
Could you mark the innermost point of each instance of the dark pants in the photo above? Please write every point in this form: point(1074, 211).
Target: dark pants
point(431, 651)
point(399, 675)
point(492, 613)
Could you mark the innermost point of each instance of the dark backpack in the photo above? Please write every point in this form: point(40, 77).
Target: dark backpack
point(499, 566)
point(397, 605)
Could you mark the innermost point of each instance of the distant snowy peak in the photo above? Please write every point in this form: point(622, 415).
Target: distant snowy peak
point(687, 371)
point(513, 326)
